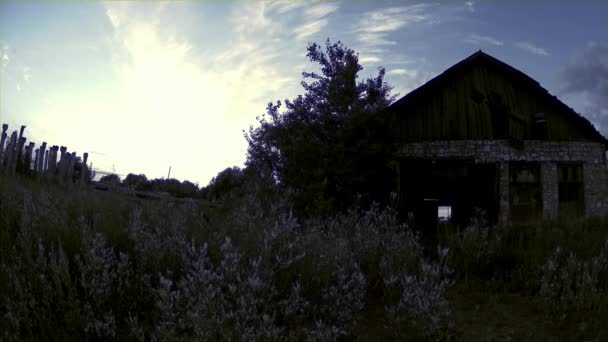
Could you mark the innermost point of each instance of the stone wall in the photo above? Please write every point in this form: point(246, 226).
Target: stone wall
point(549, 184)
point(591, 155)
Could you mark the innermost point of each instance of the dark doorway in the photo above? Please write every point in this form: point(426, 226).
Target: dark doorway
point(432, 188)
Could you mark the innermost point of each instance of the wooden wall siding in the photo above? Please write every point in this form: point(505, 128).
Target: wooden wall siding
point(447, 109)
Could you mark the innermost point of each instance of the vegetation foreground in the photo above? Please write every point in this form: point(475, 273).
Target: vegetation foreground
point(77, 264)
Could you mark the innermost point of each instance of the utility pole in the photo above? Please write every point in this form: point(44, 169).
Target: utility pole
point(169, 174)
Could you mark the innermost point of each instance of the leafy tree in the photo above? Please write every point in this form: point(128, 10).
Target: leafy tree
point(137, 182)
point(110, 179)
point(329, 145)
point(226, 183)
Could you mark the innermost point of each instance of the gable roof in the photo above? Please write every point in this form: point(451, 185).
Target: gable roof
point(481, 58)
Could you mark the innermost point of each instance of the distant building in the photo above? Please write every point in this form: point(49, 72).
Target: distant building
point(483, 134)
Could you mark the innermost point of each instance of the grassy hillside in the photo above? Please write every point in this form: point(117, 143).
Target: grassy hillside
point(78, 264)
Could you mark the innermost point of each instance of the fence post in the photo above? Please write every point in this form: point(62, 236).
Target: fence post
point(41, 159)
point(83, 168)
point(2, 139)
point(20, 155)
point(62, 163)
point(53, 160)
point(28, 158)
point(11, 156)
point(45, 167)
point(71, 159)
point(37, 153)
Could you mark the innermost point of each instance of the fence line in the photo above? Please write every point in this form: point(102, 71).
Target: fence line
point(18, 158)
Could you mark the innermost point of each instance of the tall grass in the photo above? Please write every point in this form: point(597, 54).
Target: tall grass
point(76, 264)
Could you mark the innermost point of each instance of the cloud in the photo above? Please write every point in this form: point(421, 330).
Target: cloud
point(410, 73)
point(310, 28)
point(4, 56)
point(320, 11)
point(281, 7)
point(188, 104)
point(27, 73)
point(481, 40)
point(470, 6)
point(376, 25)
point(587, 77)
point(369, 59)
point(314, 20)
point(532, 48)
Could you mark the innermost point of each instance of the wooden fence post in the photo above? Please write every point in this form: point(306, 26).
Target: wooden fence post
point(41, 159)
point(2, 139)
point(37, 153)
point(83, 168)
point(45, 167)
point(62, 163)
point(71, 159)
point(53, 161)
point(20, 155)
point(28, 158)
point(11, 156)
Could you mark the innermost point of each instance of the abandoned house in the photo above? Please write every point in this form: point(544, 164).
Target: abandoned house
point(484, 135)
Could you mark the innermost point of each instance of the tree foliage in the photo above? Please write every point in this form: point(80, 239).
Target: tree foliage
point(328, 145)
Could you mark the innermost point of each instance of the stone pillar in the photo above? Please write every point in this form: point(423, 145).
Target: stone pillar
point(595, 180)
point(549, 186)
point(504, 207)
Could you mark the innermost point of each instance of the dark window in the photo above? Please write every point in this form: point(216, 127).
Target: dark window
point(570, 189)
point(525, 194)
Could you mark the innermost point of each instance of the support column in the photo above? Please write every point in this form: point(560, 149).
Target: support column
point(549, 186)
point(504, 208)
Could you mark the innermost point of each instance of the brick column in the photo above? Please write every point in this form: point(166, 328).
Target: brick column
point(549, 185)
point(504, 212)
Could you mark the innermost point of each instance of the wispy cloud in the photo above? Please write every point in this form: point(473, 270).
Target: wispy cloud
point(164, 83)
point(529, 47)
point(314, 20)
point(481, 40)
point(310, 28)
point(470, 6)
point(375, 25)
point(27, 73)
point(281, 7)
point(587, 77)
point(408, 72)
point(5, 58)
point(369, 59)
point(320, 11)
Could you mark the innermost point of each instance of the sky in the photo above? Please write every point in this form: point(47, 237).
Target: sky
point(144, 86)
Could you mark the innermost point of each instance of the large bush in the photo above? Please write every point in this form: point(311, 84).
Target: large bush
point(101, 266)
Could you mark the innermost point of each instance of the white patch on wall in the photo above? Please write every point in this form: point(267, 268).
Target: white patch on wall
point(444, 213)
